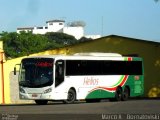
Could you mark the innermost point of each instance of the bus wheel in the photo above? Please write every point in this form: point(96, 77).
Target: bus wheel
point(71, 97)
point(41, 102)
point(118, 94)
point(125, 94)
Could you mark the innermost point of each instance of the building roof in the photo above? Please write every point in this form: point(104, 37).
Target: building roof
point(157, 44)
point(55, 21)
point(26, 28)
point(134, 39)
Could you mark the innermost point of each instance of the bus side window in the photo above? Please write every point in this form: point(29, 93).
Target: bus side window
point(59, 76)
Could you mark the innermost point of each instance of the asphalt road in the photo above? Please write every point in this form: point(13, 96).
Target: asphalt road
point(132, 109)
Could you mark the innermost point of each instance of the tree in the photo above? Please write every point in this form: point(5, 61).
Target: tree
point(10, 43)
point(61, 38)
point(77, 24)
point(25, 43)
point(84, 39)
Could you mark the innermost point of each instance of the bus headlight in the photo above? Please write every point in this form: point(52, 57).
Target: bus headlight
point(21, 90)
point(47, 90)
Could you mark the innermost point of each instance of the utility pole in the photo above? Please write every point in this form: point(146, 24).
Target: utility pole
point(2, 72)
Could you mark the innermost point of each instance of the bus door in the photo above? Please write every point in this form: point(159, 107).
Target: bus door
point(59, 73)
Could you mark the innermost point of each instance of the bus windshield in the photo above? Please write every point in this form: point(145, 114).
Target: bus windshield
point(36, 72)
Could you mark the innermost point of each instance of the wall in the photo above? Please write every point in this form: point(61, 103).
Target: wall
point(77, 32)
point(55, 26)
point(93, 36)
point(36, 30)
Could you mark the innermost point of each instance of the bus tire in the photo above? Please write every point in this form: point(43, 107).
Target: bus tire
point(118, 94)
point(125, 94)
point(71, 97)
point(41, 102)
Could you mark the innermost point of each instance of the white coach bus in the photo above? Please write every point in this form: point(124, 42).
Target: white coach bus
point(83, 76)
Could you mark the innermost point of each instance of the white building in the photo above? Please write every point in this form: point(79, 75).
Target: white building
point(78, 32)
point(92, 36)
point(58, 26)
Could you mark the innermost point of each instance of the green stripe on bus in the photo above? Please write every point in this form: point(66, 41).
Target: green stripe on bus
point(100, 94)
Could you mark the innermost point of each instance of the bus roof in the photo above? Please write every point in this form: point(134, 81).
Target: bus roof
point(99, 54)
point(86, 56)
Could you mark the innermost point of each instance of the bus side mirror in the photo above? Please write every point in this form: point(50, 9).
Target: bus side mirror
point(14, 70)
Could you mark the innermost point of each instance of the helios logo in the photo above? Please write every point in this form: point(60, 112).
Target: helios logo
point(90, 81)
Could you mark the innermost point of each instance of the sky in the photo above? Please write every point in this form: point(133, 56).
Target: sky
point(130, 18)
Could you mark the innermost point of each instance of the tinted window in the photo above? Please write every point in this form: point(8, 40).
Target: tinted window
point(36, 72)
point(92, 67)
point(59, 72)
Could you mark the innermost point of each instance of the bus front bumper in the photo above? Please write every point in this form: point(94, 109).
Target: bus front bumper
point(35, 96)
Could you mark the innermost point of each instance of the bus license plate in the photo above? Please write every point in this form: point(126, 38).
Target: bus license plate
point(34, 95)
